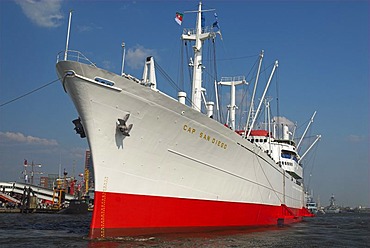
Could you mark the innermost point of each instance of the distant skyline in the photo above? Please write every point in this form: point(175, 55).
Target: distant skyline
point(322, 48)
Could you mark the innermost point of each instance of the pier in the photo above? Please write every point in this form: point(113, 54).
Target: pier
point(28, 198)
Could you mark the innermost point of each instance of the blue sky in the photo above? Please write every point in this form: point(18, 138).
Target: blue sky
point(322, 48)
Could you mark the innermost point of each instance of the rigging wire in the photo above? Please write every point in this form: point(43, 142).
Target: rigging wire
point(245, 95)
point(169, 79)
point(265, 69)
point(307, 136)
point(219, 115)
point(277, 97)
point(312, 166)
point(268, 181)
point(28, 93)
point(188, 59)
point(166, 76)
point(182, 67)
point(242, 57)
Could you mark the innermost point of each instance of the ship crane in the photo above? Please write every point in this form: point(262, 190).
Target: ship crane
point(251, 112)
point(305, 131)
point(318, 137)
point(262, 98)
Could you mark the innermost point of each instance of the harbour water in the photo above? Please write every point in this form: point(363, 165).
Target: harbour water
point(53, 230)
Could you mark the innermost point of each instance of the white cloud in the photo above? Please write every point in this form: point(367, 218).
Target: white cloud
point(135, 57)
point(21, 138)
point(44, 13)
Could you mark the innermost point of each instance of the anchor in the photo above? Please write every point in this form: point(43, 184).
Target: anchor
point(79, 128)
point(122, 125)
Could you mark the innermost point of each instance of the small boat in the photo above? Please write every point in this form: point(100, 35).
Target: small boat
point(75, 207)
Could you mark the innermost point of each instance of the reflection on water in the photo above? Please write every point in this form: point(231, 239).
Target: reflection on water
point(52, 230)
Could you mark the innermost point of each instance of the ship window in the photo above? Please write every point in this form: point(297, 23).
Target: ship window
point(104, 81)
point(284, 155)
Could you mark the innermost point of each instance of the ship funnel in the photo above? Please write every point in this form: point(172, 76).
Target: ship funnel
point(182, 97)
point(149, 77)
point(210, 109)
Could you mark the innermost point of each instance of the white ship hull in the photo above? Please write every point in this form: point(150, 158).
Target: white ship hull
point(177, 169)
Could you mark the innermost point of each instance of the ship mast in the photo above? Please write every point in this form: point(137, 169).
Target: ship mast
point(232, 82)
point(196, 94)
point(198, 35)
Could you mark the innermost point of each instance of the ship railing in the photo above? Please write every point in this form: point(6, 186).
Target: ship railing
point(73, 55)
point(233, 79)
point(193, 31)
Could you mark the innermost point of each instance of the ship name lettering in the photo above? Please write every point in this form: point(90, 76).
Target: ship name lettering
point(205, 136)
point(215, 141)
point(189, 129)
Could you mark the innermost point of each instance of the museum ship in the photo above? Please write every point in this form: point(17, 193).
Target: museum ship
point(163, 164)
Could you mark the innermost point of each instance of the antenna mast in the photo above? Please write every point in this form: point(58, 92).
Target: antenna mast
point(123, 56)
point(68, 31)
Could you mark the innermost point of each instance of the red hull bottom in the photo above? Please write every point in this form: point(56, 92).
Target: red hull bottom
point(117, 215)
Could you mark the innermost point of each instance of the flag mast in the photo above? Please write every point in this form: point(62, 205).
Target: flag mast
point(198, 35)
point(197, 69)
point(68, 31)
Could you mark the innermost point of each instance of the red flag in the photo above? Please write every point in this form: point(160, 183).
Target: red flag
point(178, 17)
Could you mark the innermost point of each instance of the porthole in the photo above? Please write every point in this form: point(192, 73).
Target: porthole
point(104, 81)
